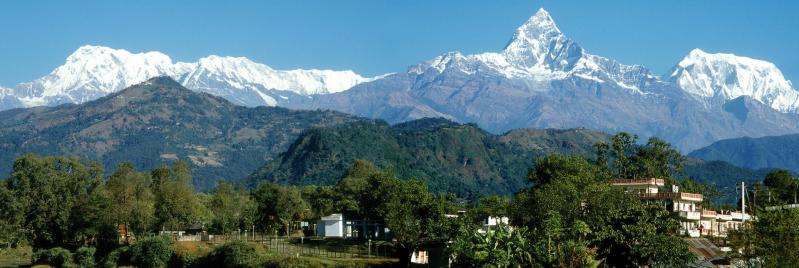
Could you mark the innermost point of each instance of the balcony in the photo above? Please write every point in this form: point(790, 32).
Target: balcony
point(709, 214)
point(724, 217)
point(638, 182)
point(690, 215)
point(672, 196)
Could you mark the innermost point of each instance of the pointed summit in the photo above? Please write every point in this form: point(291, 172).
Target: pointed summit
point(539, 43)
point(539, 27)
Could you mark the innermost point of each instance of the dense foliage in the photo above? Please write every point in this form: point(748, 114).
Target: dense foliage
point(772, 240)
point(450, 157)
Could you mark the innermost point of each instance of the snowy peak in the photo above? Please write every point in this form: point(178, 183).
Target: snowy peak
point(540, 53)
point(242, 73)
point(92, 72)
point(539, 42)
point(727, 76)
point(540, 27)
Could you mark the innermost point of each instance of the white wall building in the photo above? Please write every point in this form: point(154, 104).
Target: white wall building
point(331, 226)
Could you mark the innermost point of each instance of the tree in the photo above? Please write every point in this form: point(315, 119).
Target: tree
point(57, 198)
point(493, 206)
point(657, 159)
point(131, 198)
point(11, 218)
point(176, 206)
point(575, 218)
point(414, 215)
point(783, 184)
point(621, 144)
point(774, 238)
point(278, 206)
point(232, 209)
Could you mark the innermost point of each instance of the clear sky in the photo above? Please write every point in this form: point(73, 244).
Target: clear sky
point(373, 37)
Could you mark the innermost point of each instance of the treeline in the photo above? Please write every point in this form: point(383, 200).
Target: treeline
point(570, 217)
point(772, 240)
point(60, 206)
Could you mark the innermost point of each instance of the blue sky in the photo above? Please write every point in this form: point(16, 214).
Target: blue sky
point(374, 37)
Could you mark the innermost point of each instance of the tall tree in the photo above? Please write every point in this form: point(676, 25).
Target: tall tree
point(232, 209)
point(621, 145)
point(57, 198)
point(657, 159)
point(415, 216)
point(131, 198)
point(278, 206)
point(176, 206)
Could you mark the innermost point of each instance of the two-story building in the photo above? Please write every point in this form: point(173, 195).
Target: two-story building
point(694, 220)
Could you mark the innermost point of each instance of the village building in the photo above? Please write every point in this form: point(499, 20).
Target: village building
point(694, 220)
point(336, 225)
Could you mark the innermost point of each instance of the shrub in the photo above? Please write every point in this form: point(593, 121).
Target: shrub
point(235, 254)
point(84, 256)
point(182, 260)
point(116, 258)
point(56, 257)
point(151, 252)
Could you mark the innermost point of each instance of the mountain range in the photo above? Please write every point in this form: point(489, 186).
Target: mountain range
point(92, 72)
point(755, 153)
point(540, 79)
point(159, 121)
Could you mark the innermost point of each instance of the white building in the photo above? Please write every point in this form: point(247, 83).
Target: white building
point(331, 226)
point(494, 221)
point(694, 221)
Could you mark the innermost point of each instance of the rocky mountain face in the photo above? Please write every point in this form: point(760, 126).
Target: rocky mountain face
point(92, 72)
point(157, 122)
point(722, 77)
point(540, 79)
point(543, 79)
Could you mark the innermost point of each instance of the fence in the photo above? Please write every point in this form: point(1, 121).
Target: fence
point(309, 246)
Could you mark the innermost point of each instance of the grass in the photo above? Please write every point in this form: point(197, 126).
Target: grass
point(15, 257)
point(198, 249)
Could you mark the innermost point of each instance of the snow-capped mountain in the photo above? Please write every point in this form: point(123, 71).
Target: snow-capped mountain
point(540, 52)
point(727, 76)
point(543, 79)
point(95, 71)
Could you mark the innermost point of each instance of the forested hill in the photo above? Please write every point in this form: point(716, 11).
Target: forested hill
point(755, 153)
point(459, 158)
point(157, 122)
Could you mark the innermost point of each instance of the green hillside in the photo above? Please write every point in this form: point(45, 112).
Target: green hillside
point(459, 158)
point(158, 122)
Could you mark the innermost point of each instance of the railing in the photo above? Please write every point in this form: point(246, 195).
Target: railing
point(651, 181)
point(691, 215)
point(697, 197)
point(709, 213)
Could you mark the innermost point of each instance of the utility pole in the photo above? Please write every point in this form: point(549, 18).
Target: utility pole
point(743, 202)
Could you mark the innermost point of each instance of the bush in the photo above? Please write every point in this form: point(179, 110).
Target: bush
point(152, 252)
point(234, 254)
point(56, 257)
point(182, 260)
point(84, 256)
point(116, 258)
